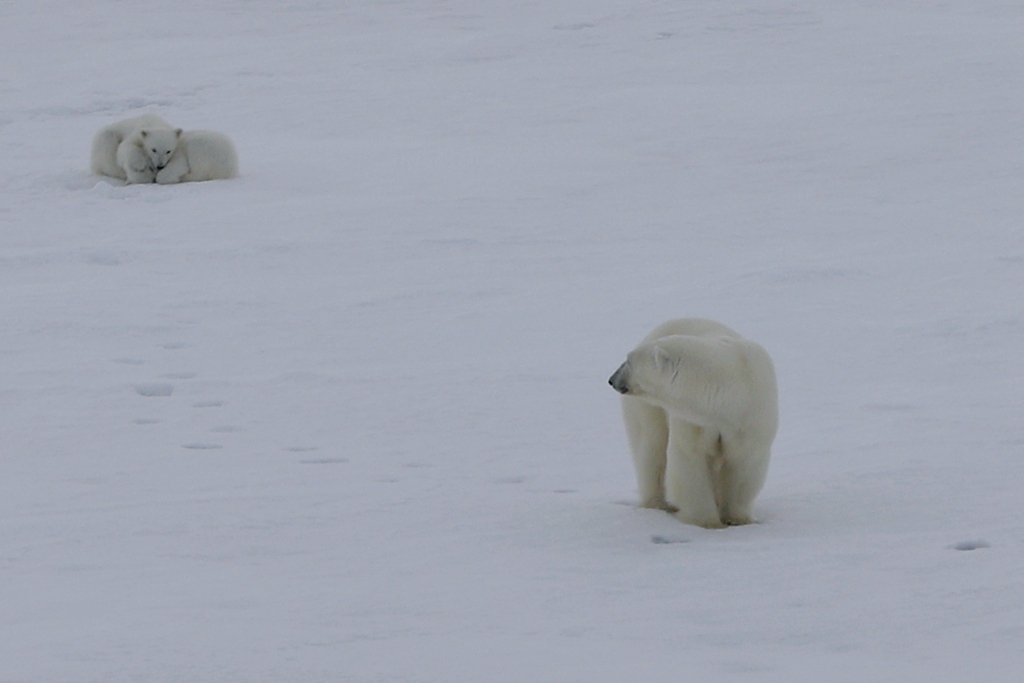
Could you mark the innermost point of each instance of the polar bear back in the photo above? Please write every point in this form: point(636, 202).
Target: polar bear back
point(211, 155)
point(691, 327)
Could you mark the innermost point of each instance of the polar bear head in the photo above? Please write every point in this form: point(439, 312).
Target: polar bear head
point(705, 380)
point(662, 368)
point(159, 144)
point(649, 370)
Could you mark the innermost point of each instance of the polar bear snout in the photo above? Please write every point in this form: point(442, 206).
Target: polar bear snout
point(620, 380)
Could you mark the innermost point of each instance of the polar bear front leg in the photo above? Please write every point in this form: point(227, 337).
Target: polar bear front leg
point(137, 166)
point(689, 475)
point(647, 429)
point(175, 169)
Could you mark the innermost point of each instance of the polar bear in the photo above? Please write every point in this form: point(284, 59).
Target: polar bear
point(158, 144)
point(199, 155)
point(109, 159)
point(147, 151)
point(700, 404)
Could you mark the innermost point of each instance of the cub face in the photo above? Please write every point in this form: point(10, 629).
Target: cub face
point(159, 144)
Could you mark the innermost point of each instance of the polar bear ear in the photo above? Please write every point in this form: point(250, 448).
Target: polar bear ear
point(178, 133)
point(143, 132)
point(662, 359)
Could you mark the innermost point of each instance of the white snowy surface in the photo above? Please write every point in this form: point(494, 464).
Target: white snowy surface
point(345, 418)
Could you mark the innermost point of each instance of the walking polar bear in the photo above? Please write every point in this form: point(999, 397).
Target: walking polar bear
point(146, 149)
point(700, 404)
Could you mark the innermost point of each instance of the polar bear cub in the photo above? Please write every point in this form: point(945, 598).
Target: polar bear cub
point(199, 155)
point(700, 404)
point(112, 157)
point(157, 143)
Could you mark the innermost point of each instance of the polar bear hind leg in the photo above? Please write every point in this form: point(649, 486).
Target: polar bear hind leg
point(103, 159)
point(743, 474)
point(692, 473)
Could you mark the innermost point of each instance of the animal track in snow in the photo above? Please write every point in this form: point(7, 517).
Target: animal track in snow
point(173, 346)
point(323, 461)
point(208, 404)
point(202, 446)
point(300, 449)
point(974, 544)
point(662, 539)
point(888, 407)
point(575, 27)
point(145, 421)
point(104, 258)
point(154, 389)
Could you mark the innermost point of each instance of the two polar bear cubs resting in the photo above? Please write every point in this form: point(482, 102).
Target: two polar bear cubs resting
point(701, 410)
point(145, 149)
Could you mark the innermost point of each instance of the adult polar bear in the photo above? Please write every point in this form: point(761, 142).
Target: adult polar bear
point(118, 152)
point(146, 149)
point(197, 155)
point(700, 404)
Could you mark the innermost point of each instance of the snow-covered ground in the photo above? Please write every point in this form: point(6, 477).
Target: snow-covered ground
point(389, 453)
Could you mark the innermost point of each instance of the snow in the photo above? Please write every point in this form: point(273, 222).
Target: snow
point(345, 417)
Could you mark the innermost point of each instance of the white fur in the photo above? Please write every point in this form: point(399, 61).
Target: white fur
point(147, 151)
point(159, 144)
point(701, 410)
point(200, 155)
point(106, 143)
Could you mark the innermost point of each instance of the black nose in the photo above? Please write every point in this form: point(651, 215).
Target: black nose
point(620, 380)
